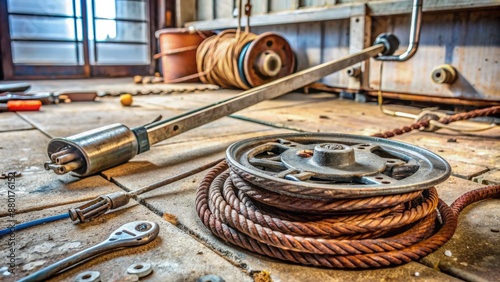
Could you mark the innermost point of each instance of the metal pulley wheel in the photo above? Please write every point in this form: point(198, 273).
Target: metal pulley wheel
point(329, 166)
point(266, 58)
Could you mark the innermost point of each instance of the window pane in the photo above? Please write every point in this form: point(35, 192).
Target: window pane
point(80, 54)
point(278, 5)
point(111, 9)
point(44, 53)
point(122, 54)
point(121, 38)
point(40, 7)
point(110, 30)
point(35, 27)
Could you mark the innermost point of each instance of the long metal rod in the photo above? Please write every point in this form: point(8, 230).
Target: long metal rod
point(164, 129)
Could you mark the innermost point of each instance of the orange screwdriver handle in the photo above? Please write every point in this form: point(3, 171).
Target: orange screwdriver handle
point(26, 105)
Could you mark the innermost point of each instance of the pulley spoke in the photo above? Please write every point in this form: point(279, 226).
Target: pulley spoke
point(267, 163)
point(284, 173)
point(300, 176)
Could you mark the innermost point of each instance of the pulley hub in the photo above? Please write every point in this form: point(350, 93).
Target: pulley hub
point(269, 63)
point(267, 58)
point(335, 165)
point(331, 161)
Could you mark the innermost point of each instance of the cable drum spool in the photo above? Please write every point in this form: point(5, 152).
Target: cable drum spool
point(331, 200)
point(244, 60)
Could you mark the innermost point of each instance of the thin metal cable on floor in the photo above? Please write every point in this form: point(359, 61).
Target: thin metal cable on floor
point(351, 233)
point(444, 120)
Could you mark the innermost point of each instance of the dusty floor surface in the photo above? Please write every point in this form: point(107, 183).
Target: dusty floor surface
point(185, 249)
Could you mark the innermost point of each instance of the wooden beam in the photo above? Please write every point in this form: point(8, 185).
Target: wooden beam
point(184, 12)
point(345, 11)
point(5, 47)
point(288, 17)
point(359, 39)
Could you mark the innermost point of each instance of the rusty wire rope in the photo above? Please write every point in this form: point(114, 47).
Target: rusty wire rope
point(217, 56)
point(382, 231)
point(345, 233)
point(445, 120)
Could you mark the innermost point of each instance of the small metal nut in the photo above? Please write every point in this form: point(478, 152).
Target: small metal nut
point(210, 278)
point(88, 276)
point(140, 269)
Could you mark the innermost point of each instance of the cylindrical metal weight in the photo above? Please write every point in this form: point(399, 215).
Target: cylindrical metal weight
point(97, 149)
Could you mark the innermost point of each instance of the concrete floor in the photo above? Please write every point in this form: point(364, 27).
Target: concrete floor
point(185, 249)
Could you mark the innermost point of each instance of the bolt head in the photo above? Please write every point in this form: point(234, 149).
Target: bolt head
point(305, 153)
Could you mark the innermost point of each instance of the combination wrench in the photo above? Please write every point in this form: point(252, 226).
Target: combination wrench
point(131, 234)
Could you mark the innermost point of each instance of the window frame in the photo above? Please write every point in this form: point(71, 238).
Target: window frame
point(13, 71)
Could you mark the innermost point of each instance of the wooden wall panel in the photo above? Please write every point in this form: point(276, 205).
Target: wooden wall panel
point(469, 41)
point(260, 7)
point(184, 13)
point(309, 45)
point(224, 9)
point(205, 10)
point(316, 43)
point(357, 1)
point(478, 61)
point(305, 39)
point(336, 45)
point(317, 3)
point(280, 5)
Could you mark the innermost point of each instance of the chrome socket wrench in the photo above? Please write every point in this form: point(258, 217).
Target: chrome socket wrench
point(131, 234)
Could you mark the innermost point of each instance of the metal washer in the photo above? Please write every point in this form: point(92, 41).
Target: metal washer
point(140, 269)
point(88, 276)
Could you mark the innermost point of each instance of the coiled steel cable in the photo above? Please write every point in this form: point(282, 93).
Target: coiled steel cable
point(392, 233)
point(346, 233)
point(217, 58)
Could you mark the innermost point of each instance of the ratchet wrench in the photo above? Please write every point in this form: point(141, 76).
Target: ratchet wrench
point(131, 234)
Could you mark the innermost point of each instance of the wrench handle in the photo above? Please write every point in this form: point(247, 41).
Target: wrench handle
point(131, 234)
point(72, 261)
